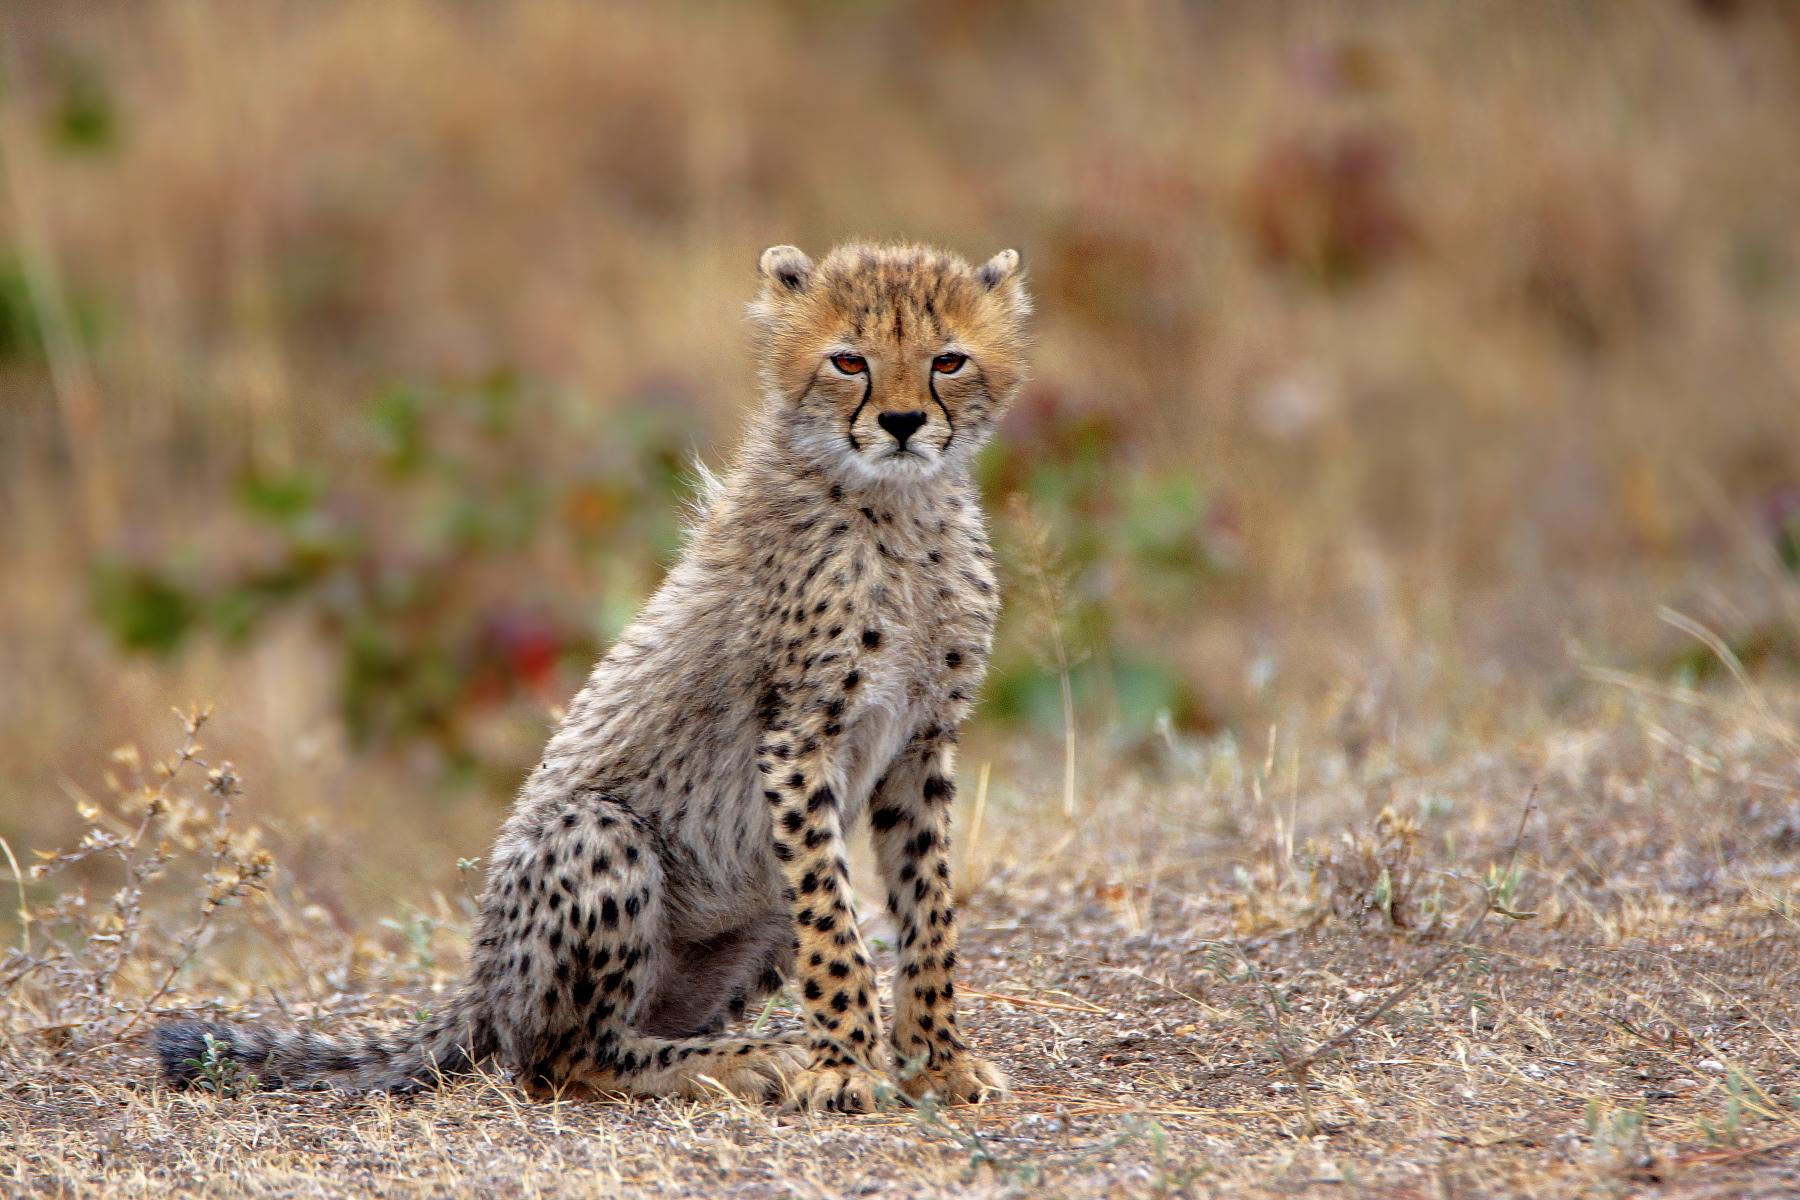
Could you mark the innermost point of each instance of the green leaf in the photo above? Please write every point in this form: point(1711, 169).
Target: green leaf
point(19, 333)
point(283, 499)
point(142, 607)
point(86, 117)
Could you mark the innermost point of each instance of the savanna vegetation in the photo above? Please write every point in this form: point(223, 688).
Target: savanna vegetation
point(1389, 779)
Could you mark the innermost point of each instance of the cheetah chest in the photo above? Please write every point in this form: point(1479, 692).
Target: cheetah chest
point(875, 738)
point(902, 696)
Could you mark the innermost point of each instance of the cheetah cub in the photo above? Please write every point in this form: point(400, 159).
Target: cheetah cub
point(804, 667)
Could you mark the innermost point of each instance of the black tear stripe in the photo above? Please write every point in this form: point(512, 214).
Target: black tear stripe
point(868, 390)
point(931, 382)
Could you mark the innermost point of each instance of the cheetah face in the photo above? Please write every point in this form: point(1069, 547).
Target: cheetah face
point(898, 416)
point(890, 362)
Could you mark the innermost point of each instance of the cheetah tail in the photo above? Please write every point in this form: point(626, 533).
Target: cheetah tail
point(449, 1043)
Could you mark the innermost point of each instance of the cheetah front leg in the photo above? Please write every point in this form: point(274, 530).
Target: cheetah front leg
point(910, 816)
point(837, 981)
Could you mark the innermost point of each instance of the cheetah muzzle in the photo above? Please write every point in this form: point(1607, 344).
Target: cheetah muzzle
point(803, 668)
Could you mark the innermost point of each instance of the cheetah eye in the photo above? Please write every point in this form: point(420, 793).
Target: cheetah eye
point(849, 364)
point(948, 364)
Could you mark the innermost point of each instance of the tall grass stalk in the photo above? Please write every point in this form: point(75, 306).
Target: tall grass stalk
point(1048, 588)
point(77, 396)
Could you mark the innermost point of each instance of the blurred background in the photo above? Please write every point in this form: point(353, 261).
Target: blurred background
point(1395, 363)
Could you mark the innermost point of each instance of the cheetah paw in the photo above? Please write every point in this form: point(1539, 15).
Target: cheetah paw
point(847, 1089)
point(766, 1072)
point(965, 1079)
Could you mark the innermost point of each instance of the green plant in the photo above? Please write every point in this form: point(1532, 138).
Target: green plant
point(217, 1072)
point(418, 932)
point(1105, 557)
point(435, 561)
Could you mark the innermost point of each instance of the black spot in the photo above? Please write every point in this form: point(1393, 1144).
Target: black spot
point(871, 638)
point(953, 659)
point(851, 680)
point(609, 913)
point(768, 706)
point(813, 990)
point(823, 798)
point(885, 818)
point(938, 788)
point(792, 822)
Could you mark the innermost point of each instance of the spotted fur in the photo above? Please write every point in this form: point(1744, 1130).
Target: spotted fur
point(805, 666)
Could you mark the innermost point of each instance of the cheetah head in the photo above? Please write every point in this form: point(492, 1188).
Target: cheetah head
point(889, 362)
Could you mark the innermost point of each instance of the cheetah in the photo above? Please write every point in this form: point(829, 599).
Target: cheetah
point(804, 666)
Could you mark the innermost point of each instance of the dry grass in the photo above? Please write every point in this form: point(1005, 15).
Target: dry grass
point(1151, 983)
point(1397, 362)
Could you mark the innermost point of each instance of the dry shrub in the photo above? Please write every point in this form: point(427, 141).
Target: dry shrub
point(1375, 873)
point(1328, 207)
point(88, 972)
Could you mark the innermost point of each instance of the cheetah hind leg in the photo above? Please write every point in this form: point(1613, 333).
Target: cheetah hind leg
point(759, 1069)
point(571, 947)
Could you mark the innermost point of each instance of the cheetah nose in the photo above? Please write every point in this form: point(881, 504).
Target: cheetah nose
point(901, 425)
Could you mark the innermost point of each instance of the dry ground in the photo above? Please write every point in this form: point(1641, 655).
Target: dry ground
point(1635, 1036)
point(1396, 360)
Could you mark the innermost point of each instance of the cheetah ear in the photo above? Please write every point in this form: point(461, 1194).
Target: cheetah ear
point(1002, 268)
point(786, 267)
